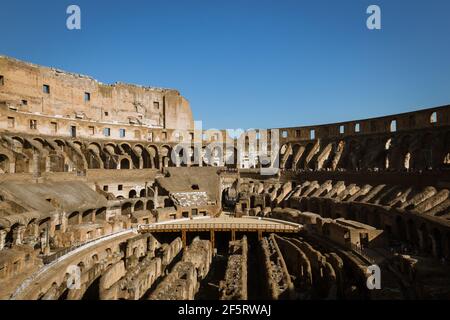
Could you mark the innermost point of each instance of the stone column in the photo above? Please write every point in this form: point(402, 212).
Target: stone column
point(152, 162)
point(2, 239)
point(35, 165)
point(18, 235)
point(48, 164)
point(155, 197)
point(12, 167)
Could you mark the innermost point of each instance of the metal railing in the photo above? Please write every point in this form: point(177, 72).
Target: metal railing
point(218, 226)
point(52, 257)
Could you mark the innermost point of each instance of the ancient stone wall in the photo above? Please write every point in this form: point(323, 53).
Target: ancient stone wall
point(46, 91)
point(234, 287)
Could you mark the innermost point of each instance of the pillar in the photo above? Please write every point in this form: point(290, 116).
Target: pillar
point(260, 235)
point(12, 167)
point(155, 197)
point(2, 239)
point(212, 239)
point(35, 165)
point(233, 235)
point(48, 164)
point(18, 235)
point(183, 238)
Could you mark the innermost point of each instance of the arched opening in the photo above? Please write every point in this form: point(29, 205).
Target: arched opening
point(168, 202)
point(143, 193)
point(125, 164)
point(433, 117)
point(93, 157)
point(110, 156)
point(165, 154)
point(126, 209)
point(150, 205)
point(393, 126)
point(153, 153)
point(44, 225)
point(100, 214)
point(132, 194)
point(133, 156)
point(146, 159)
point(139, 206)
point(4, 163)
point(93, 291)
point(407, 160)
point(87, 216)
point(31, 231)
point(73, 218)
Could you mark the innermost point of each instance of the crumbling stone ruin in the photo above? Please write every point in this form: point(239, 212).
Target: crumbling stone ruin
point(182, 282)
point(234, 287)
point(277, 277)
point(95, 203)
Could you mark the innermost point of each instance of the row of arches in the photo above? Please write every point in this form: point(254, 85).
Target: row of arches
point(427, 150)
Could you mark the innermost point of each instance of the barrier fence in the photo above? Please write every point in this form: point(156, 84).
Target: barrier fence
point(218, 227)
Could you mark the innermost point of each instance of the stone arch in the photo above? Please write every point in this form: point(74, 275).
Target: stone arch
point(100, 214)
point(4, 163)
point(132, 194)
point(31, 230)
point(168, 202)
point(44, 224)
point(353, 159)
point(124, 164)
point(126, 209)
point(428, 146)
point(73, 218)
point(150, 205)
point(132, 155)
point(145, 155)
point(23, 155)
point(165, 156)
point(93, 156)
point(87, 216)
point(143, 193)
point(139, 205)
point(154, 158)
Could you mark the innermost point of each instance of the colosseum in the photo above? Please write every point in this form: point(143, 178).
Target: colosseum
point(111, 191)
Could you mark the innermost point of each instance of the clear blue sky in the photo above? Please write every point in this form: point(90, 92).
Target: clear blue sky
point(249, 63)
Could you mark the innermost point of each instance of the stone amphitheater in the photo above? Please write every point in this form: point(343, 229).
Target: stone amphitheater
point(110, 191)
